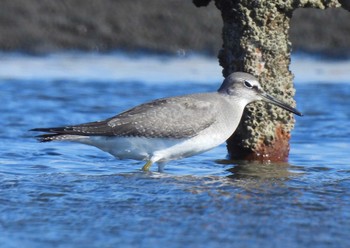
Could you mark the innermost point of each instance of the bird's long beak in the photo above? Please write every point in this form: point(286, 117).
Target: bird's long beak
point(278, 103)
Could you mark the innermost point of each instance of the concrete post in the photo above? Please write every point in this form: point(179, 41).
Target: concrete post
point(255, 40)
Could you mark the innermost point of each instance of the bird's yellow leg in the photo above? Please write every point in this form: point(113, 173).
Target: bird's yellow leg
point(147, 166)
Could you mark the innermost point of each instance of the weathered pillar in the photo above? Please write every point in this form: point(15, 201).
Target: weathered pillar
point(255, 40)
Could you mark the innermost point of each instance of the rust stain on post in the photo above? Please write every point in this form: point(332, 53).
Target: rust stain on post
point(263, 152)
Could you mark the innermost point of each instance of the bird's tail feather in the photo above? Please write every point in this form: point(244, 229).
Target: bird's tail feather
point(56, 137)
point(55, 134)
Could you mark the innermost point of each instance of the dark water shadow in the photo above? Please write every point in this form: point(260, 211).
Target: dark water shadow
point(253, 174)
point(253, 169)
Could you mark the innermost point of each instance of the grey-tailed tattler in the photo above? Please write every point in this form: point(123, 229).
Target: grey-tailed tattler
point(170, 128)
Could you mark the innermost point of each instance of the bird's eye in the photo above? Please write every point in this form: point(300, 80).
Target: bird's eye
point(247, 84)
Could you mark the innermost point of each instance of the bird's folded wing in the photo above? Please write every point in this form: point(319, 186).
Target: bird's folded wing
point(177, 118)
point(169, 118)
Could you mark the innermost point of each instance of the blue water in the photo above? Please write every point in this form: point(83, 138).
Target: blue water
point(70, 195)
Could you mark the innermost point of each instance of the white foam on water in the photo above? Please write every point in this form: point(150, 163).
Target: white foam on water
point(310, 69)
point(110, 67)
point(152, 68)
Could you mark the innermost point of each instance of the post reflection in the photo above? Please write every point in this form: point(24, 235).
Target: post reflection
point(260, 172)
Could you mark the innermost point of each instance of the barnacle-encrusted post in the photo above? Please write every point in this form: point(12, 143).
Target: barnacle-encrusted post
point(255, 40)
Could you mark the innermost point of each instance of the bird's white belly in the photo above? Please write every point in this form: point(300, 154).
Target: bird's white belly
point(154, 149)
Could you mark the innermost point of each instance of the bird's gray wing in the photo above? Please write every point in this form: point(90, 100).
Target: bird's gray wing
point(177, 118)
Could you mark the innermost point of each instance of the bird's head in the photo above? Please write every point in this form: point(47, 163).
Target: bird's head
point(246, 87)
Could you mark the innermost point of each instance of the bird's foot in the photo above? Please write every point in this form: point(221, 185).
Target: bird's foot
point(147, 166)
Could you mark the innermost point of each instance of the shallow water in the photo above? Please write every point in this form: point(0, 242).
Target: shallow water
point(69, 195)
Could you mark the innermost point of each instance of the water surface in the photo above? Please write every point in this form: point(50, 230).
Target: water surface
point(70, 195)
